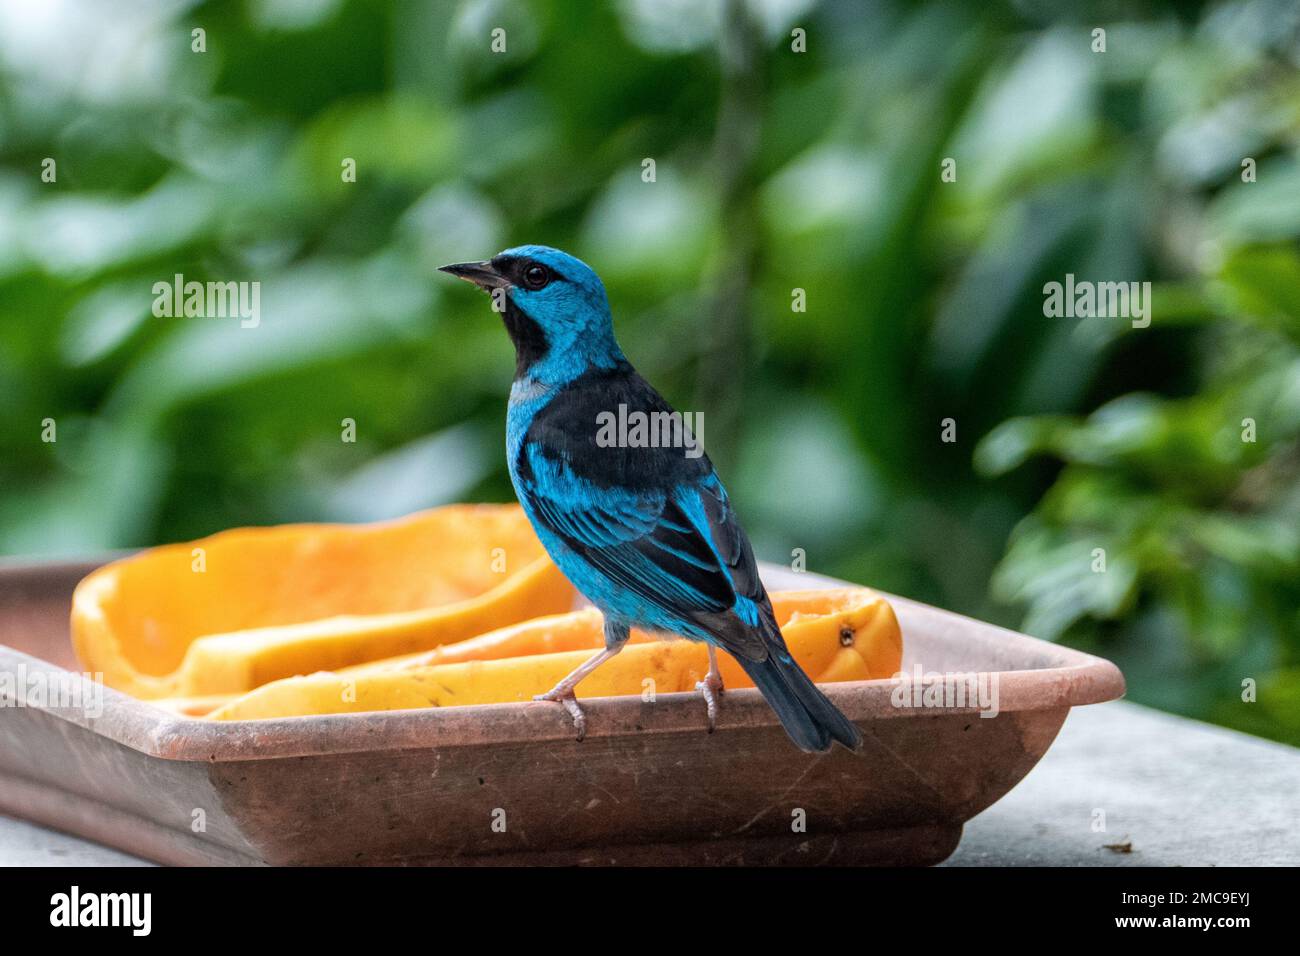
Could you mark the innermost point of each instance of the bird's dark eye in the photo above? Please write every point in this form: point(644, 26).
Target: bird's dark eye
point(536, 276)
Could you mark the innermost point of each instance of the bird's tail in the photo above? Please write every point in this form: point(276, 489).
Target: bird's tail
point(810, 719)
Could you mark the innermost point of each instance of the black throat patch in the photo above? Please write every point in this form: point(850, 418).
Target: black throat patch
point(530, 341)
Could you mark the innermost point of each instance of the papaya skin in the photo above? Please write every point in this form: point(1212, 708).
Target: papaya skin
point(194, 706)
point(544, 635)
point(551, 634)
point(842, 634)
point(578, 630)
point(270, 603)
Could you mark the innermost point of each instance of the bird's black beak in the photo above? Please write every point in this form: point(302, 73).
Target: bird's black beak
point(482, 274)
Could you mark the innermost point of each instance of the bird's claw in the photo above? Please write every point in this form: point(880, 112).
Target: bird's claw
point(570, 702)
point(711, 687)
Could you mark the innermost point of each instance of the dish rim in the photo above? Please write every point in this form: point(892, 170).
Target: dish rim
point(1072, 678)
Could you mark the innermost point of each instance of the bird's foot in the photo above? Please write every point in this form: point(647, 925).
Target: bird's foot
point(564, 695)
point(711, 687)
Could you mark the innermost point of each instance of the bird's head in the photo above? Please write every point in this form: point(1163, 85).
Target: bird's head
point(554, 307)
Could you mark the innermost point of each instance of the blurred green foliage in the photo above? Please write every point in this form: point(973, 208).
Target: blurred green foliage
point(775, 171)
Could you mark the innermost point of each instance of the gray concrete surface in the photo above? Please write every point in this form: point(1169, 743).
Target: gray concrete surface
point(1171, 792)
point(1174, 792)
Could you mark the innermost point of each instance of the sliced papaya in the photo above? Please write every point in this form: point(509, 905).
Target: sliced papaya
point(231, 612)
point(835, 635)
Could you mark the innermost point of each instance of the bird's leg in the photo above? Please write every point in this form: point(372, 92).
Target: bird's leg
point(616, 636)
point(711, 687)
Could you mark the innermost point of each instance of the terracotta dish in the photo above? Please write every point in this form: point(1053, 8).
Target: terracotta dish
point(507, 783)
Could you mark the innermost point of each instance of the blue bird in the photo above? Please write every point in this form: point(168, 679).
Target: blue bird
point(645, 532)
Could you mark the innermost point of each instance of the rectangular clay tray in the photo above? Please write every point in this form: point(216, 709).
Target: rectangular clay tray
point(507, 783)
